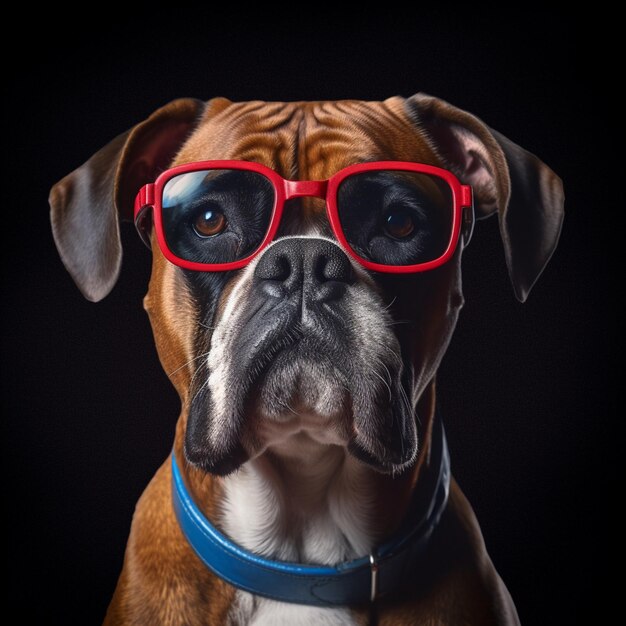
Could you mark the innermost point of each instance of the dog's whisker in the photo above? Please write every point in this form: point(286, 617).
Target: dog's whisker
point(206, 326)
point(200, 389)
point(397, 323)
point(286, 405)
point(407, 403)
point(387, 307)
point(195, 358)
point(197, 372)
point(384, 382)
point(191, 360)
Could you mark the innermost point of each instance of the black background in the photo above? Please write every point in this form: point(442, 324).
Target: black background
point(525, 389)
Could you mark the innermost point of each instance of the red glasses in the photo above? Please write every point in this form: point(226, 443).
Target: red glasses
point(391, 216)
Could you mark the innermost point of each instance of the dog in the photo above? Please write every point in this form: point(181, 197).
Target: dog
point(306, 282)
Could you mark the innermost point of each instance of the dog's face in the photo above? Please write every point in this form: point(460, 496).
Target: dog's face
point(304, 342)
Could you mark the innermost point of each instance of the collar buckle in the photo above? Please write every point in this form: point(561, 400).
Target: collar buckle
point(374, 578)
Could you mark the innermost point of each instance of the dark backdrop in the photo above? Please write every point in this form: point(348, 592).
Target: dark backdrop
point(525, 389)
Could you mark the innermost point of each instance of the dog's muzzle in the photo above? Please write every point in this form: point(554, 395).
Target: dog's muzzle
point(304, 341)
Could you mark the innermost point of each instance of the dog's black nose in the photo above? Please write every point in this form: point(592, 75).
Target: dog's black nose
point(316, 267)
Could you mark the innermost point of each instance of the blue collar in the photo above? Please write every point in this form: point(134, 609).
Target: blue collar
point(350, 583)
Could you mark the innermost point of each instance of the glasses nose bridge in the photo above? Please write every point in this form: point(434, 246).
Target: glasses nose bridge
point(305, 189)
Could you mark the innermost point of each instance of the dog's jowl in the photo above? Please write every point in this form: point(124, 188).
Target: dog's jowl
point(306, 281)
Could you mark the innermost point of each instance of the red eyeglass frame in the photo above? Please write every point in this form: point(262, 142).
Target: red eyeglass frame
point(150, 196)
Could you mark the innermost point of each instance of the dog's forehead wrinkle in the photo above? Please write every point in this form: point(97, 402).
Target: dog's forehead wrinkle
point(307, 139)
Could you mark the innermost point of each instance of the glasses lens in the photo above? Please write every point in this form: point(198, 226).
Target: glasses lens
point(396, 217)
point(216, 216)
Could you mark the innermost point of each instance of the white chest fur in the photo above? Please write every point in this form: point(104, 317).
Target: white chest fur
point(255, 611)
point(316, 510)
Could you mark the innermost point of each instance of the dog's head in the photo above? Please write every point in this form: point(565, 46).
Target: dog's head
point(304, 341)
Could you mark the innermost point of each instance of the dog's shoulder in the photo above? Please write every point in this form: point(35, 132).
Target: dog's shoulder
point(156, 586)
point(458, 582)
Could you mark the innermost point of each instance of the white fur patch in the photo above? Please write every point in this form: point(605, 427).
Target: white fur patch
point(317, 510)
point(261, 612)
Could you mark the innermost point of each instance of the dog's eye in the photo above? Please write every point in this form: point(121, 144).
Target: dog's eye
point(398, 222)
point(209, 223)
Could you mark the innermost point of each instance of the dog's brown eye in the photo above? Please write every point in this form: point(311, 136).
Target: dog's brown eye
point(209, 223)
point(399, 223)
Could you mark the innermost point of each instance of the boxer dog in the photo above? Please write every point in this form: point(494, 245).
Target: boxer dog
point(306, 281)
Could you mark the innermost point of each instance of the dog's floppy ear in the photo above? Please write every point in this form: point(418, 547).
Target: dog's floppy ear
point(86, 204)
point(525, 192)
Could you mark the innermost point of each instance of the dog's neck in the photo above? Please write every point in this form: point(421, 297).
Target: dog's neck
point(310, 502)
point(302, 501)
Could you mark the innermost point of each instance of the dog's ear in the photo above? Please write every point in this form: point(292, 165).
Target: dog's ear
point(525, 192)
point(87, 204)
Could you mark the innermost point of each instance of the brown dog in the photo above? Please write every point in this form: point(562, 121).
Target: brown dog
point(307, 383)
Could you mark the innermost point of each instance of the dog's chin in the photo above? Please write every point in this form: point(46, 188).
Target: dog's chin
point(294, 383)
point(305, 389)
point(298, 396)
